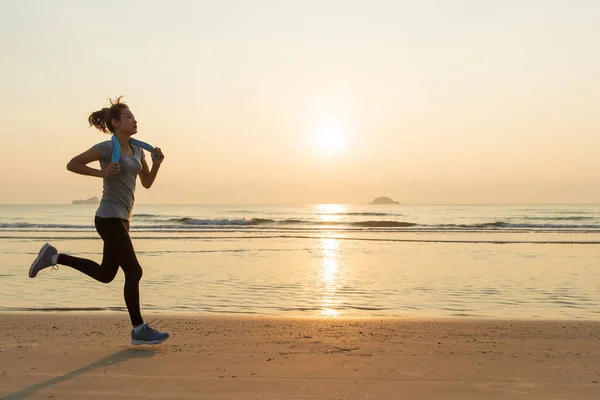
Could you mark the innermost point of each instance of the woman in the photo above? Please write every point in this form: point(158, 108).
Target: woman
point(114, 212)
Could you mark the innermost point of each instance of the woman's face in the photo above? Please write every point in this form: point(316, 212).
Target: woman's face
point(127, 123)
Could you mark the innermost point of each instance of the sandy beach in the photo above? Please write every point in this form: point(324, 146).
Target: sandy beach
point(59, 356)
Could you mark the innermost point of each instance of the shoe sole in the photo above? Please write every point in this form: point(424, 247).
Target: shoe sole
point(138, 342)
point(32, 270)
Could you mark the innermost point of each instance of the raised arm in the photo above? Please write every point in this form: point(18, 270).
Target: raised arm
point(147, 176)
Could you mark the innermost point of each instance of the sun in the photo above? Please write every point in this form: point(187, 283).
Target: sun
point(330, 137)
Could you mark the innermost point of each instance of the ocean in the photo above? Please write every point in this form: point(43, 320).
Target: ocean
point(424, 261)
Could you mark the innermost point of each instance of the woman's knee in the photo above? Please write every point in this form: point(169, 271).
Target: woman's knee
point(108, 276)
point(134, 274)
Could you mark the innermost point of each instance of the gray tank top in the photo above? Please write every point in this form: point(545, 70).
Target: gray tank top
point(118, 194)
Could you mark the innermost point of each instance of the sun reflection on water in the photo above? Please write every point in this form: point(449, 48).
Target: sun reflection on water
point(331, 212)
point(330, 277)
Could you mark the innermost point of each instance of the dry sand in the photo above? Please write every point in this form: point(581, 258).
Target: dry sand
point(56, 356)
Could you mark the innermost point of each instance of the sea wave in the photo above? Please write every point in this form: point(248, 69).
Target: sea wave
point(496, 224)
point(221, 221)
point(188, 223)
point(550, 218)
point(32, 225)
point(383, 224)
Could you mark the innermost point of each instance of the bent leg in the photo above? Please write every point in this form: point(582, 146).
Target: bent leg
point(121, 253)
point(110, 230)
point(104, 272)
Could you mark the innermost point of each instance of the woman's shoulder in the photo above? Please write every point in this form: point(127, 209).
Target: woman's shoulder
point(104, 148)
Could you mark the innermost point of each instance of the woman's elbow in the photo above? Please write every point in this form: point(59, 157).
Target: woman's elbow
point(70, 165)
point(74, 165)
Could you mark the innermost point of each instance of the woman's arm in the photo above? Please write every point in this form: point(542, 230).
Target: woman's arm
point(79, 163)
point(148, 176)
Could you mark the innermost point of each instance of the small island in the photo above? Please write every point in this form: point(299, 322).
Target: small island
point(91, 200)
point(384, 200)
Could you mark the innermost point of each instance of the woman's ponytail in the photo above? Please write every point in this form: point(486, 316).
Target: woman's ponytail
point(102, 119)
point(97, 119)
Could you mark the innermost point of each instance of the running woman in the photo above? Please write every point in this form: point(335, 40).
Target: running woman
point(114, 212)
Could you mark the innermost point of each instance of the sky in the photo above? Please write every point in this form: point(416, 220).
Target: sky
point(329, 101)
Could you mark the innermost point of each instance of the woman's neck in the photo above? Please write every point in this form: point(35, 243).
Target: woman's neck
point(123, 139)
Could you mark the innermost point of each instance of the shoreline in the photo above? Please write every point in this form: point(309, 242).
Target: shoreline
point(241, 315)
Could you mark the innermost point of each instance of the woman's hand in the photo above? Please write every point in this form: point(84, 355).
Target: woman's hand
point(158, 157)
point(111, 170)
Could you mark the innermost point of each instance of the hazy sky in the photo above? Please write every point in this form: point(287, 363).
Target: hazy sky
point(329, 101)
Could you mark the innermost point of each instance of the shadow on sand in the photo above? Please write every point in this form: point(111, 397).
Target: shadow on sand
point(113, 359)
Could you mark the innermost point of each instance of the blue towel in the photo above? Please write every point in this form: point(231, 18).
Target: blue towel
point(116, 153)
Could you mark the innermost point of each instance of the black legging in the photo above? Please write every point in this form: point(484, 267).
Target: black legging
point(118, 251)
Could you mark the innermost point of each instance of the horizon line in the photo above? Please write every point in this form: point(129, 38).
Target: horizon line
point(309, 204)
